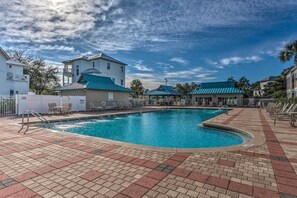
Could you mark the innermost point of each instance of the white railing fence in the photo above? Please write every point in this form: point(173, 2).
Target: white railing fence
point(254, 102)
point(138, 101)
point(39, 103)
point(17, 77)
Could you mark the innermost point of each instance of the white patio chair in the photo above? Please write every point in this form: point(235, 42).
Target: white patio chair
point(290, 114)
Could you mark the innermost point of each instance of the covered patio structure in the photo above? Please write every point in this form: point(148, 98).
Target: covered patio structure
point(217, 94)
point(164, 95)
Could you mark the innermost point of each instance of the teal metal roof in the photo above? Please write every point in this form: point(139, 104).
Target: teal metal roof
point(164, 90)
point(94, 82)
point(217, 88)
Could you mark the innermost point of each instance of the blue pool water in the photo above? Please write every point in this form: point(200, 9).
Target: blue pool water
point(171, 129)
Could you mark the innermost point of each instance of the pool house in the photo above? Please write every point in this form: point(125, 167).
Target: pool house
point(164, 95)
point(217, 94)
point(97, 89)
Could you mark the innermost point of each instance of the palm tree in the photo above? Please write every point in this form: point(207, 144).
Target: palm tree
point(288, 52)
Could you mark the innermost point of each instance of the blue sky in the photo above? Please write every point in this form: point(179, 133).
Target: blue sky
point(184, 41)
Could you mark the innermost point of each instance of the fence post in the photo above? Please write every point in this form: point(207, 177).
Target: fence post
point(16, 104)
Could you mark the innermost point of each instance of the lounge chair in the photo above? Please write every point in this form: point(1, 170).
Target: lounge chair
point(121, 105)
point(109, 106)
point(273, 108)
point(126, 106)
point(290, 114)
point(95, 107)
point(286, 108)
point(51, 108)
point(66, 108)
point(293, 118)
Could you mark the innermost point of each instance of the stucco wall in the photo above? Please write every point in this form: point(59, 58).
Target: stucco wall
point(97, 96)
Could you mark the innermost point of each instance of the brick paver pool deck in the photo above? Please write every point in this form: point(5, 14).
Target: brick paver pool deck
point(42, 163)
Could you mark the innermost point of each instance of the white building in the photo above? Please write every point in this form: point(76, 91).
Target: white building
point(291, 82)
point(12, 79)
point(264, 82)
point(99, 64)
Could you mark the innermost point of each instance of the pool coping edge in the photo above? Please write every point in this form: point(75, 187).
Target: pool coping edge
point(256, 139)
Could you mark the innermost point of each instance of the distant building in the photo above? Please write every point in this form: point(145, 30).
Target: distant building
point(217, 94)
point(99, 64)
point(12, 78)
point(264, 82)
point(291, 84)
point(97, 89)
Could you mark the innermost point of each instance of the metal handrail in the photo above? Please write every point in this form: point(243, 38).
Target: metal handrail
point(224, 107)
point(35, 114)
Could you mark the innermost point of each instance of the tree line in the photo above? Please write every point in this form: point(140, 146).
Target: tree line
point(43, 77)
point(275, 89)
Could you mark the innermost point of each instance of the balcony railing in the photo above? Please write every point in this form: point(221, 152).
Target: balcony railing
point(67, 70)
point(17, 77)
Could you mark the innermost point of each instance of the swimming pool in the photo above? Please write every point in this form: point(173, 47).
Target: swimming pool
point(175, 128)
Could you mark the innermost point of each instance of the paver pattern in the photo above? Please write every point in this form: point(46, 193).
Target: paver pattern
point(42, 163)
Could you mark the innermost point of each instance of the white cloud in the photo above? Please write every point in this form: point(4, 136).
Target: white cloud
point(179, 60)
point(140, 67)
point(153, 80)
point(112, 25)
point(149, 83)
point(273, 49)
point(220, 64)
point(238, 60)
point(141, 75)
point(87, 53)
point(56, 64)
point(55, 48)
point(198, 72)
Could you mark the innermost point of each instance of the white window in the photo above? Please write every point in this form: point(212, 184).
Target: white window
point(110, 95)
point(122, 82)
point(122, 69)
point(108, 66)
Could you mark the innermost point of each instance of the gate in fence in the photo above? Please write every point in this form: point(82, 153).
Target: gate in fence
point(7, 105)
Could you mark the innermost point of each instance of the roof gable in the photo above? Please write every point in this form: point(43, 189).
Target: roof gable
point(14, 62)
point(269, 78)
point(10, 61)
point(4, 54)
point(105, 57)
point(96, 56)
